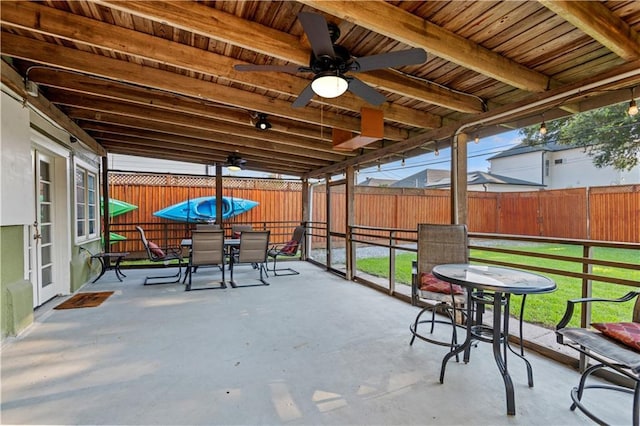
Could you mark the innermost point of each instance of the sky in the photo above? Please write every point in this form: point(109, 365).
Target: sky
point(477, 158)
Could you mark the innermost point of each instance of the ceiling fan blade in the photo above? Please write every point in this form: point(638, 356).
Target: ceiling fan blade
point(304, 97)
point(315, 26)
point(391, 59)
point(366, 92)
point(291, 69)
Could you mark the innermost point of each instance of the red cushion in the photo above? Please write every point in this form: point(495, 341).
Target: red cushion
point(155, 249)
point(290, 247)
point(430, 283)
point(625, 332)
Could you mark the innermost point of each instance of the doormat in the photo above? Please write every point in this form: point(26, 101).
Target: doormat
point(85, 300)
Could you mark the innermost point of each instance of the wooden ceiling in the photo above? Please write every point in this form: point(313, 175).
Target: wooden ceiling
point(156, 78)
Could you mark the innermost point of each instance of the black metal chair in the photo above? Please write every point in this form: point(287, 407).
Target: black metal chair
point(253, 250)
point(207, 249)
point(163, 255)
point(289, 249)
point(613, 348)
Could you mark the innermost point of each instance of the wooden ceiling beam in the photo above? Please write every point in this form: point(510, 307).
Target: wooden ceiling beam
point(204, 147)
point(597, 21)
point(418, 32)
point(86, 85)
point(168, 153)
point(242, 136)
point(215, 141)
point(219, 25)
point(77, 29)
point(91, 64)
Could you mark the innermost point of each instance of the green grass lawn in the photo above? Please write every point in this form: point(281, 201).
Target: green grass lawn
point(546, 309)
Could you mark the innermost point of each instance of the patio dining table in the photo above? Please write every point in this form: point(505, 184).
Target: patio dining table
point(492, 286)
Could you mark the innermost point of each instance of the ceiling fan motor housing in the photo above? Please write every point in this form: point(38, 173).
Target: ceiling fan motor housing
point(341, 63)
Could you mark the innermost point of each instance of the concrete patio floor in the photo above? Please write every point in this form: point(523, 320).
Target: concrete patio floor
point(308, 349)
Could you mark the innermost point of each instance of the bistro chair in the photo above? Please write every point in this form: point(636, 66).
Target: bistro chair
point(253, 250)
point(438, 244)
point(164, 255)
point(614, 346)
point(207, 249)
point(289, 249)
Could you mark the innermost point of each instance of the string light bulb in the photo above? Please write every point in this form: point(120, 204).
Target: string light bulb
point(476, 139)
point(436, 152)
point(402, 162)
point(379, 168)
point(543, 128)
point(633, 107)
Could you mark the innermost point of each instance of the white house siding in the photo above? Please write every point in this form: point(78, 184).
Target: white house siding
point(570, 168)
point(573, 168)
point(524, 166)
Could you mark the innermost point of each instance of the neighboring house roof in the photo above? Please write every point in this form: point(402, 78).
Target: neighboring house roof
point(377, 182)
point(420, 179)
point(524, 148)
point(482, 178)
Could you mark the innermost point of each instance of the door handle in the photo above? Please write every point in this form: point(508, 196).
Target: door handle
point(36, 235)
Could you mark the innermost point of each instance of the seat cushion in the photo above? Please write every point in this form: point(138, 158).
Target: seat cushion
point(290, 248)
point(430, 283)
point(156, 250)
point(624, 332)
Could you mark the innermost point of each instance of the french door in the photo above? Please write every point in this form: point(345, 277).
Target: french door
point(42, 244)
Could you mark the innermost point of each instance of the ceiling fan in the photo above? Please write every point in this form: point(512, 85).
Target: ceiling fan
point(235, 162)
point(331, 62)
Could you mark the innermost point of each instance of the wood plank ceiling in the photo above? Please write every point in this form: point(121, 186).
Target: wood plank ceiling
point(156, 78)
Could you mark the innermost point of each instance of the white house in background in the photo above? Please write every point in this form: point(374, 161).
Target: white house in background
point(558, 166)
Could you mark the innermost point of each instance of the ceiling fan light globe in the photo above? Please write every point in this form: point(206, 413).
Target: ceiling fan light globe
point(329, 86)
point(233, 168)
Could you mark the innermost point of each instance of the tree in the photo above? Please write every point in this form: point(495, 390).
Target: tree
point(609, 135)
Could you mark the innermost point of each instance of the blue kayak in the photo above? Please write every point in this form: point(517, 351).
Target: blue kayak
point(203, 209)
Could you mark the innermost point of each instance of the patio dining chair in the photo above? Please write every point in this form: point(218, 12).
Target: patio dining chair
point(163, 255)
point(253, 250)
point(207, 249)
point(438, 244)
point(289, 249)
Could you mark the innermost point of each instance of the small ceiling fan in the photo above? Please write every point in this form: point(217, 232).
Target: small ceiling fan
point(235, 162)
point(331, 62)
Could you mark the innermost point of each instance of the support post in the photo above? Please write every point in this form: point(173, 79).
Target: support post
point(327, 179)
point(459, 207)
point(219, 194)
point(306, 215)
point(349, 220)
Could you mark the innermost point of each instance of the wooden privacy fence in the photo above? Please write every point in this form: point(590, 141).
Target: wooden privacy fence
point(279, 201)
point(598, 213)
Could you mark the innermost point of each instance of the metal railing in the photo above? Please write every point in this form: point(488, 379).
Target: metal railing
point(392, 240)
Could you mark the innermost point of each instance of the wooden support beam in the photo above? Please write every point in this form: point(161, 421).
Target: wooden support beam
point(198, 18)
point(97, 65)
point(596, 20)
point(418, 32)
